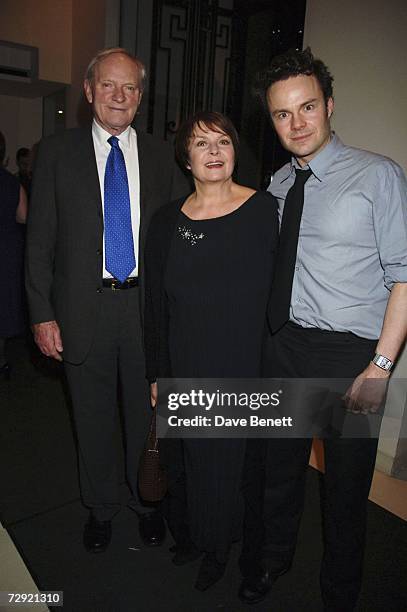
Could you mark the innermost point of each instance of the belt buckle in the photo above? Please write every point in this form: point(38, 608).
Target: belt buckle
point(113, 286)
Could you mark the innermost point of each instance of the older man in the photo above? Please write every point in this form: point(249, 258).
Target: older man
point(338, 310)
point(94, 192)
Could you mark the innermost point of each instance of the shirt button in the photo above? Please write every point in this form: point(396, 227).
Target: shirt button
point(98, 252)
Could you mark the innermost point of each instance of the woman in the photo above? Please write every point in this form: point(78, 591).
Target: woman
point(209, 264)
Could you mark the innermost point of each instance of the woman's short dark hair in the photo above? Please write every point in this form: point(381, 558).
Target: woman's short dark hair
point(290, 64)
point(206, 120)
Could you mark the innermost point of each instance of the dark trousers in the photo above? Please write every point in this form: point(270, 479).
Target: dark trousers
point(295, 352)
point(115, 363)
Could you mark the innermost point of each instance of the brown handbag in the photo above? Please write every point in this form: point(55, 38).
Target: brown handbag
point(152, 478)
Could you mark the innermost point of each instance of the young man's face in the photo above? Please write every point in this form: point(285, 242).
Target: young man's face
point(300, 116)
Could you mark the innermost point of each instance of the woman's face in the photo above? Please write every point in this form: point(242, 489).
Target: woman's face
point(211, 155)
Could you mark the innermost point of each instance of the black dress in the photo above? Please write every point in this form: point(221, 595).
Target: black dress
point(217, 284)
point(12, 312)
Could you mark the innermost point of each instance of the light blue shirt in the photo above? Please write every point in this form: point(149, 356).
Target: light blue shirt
point(352, 244)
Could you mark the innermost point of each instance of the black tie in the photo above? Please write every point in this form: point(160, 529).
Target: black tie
point(279, 306)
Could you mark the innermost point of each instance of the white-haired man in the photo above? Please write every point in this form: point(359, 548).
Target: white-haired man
point(94, 191)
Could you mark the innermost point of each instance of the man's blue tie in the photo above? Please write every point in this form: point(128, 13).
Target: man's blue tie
point(119, 247)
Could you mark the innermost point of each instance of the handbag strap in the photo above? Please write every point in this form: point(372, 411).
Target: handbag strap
point(153, 428)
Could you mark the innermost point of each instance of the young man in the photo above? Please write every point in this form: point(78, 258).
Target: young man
point(338, 310)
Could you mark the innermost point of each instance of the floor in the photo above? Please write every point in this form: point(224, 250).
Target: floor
point(37, 448)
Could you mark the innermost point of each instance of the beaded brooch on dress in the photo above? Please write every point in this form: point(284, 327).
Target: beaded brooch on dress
point(187, 234)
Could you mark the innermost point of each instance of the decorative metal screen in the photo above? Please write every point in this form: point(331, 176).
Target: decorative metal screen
point(189, 61)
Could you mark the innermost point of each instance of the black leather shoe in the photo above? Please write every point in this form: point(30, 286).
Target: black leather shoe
point(97, 535)
point(185, 554)
point(210, 572)
point(254, 589)
point(151, 527)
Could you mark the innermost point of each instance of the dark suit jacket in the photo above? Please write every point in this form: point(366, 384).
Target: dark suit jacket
point(65, 230)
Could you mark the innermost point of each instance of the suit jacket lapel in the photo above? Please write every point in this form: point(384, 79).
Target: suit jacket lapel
point(146, 173)
point(146, 167)
point(87, 172)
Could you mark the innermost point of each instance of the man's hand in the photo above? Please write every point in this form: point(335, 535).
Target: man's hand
point(367, 391)
point(153, 394)
point(47, 337)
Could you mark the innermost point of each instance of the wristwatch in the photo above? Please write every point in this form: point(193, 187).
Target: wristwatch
point(383, 362)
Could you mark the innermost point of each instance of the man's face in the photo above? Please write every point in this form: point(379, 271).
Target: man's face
point(114, 92)
point(300, 116)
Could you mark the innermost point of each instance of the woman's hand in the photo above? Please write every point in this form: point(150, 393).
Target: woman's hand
point(153, 394)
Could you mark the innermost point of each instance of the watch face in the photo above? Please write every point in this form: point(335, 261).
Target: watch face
point(383, 362)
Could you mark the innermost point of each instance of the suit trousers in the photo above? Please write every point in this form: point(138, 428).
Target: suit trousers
point(114, 367)
point(296, 352)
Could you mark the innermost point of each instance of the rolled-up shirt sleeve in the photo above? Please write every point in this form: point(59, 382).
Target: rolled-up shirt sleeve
point(390, 222)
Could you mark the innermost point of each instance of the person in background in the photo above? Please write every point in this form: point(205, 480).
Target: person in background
point(338, 309)
point(209, 262)
point(24, 174)
point(94, 192)
point(13, 213)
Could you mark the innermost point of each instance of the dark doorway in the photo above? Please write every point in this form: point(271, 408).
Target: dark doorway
point(261, 30)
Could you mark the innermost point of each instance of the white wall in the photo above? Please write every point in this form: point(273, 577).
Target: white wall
point(364, 44)
point(88, 37)
point(46, 24)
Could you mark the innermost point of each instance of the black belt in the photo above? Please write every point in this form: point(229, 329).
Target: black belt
point(115, 285)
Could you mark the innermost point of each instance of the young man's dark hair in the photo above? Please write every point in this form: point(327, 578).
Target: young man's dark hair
point(291, 64)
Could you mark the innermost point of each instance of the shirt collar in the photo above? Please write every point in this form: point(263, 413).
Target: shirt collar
point(101, 136)
point(321, 162)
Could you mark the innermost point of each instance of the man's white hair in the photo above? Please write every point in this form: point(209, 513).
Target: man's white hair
point(104, 53)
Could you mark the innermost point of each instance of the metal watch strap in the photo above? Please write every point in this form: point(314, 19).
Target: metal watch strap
point(382, 362)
